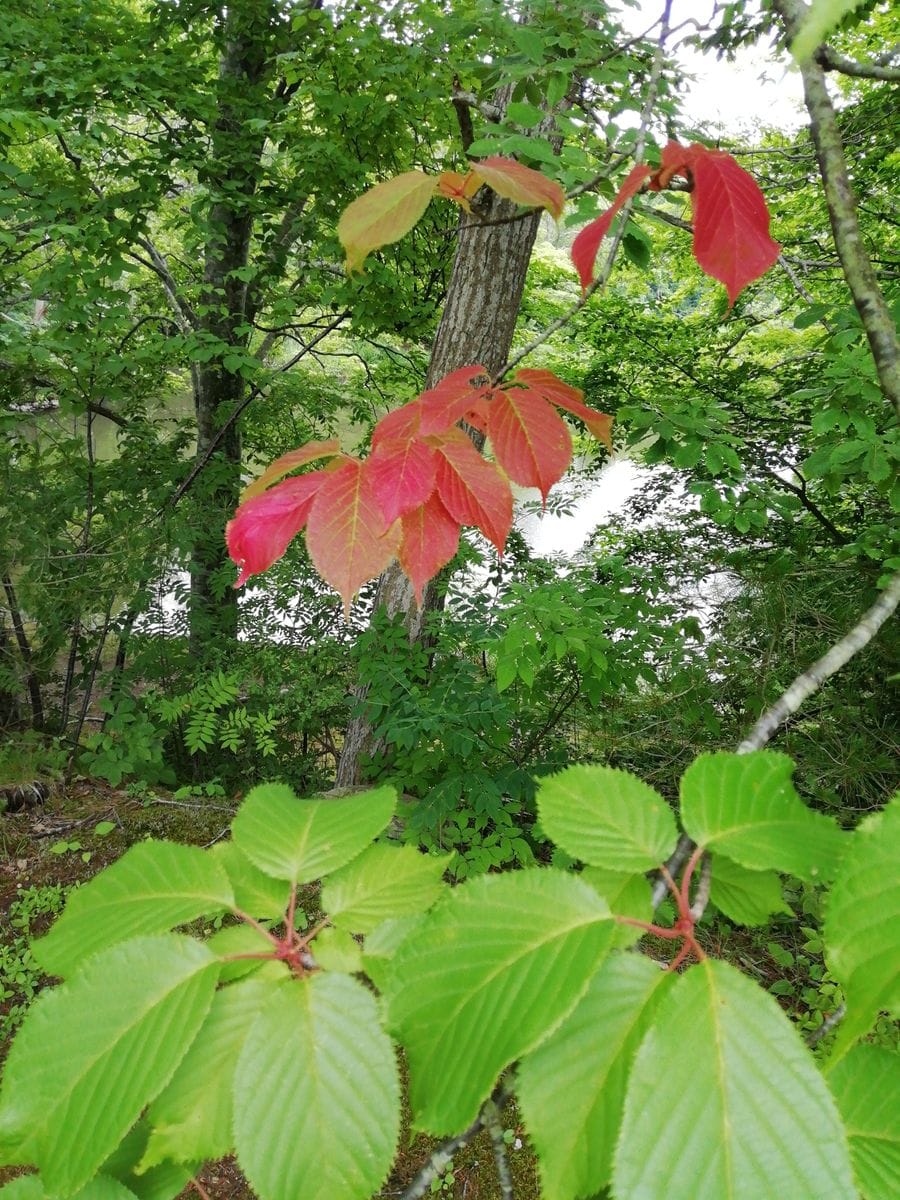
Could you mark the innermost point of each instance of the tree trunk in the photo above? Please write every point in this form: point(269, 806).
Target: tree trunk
point(477, 326)
point(232, 178)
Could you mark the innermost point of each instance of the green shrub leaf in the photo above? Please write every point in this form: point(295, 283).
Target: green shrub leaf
point(862, 925)
point(627, 895)
point(866, 1085)
point(115, 1031)
point(164, 1182)
point(746, 897)
point(571, 1089)
point(317, 1094)
point(255, 893)
point(744, 806)
point(725, 1100)
point(192, 1116)
point(383, 882)
point(152, 888)
point(30, 1187)
point(497, 966)
point(302, 840)
point(607, 818)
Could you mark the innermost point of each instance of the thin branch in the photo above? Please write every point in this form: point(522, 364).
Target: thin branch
point(493, 1123)
point(867, 296)
point(831, 60)
point(827, 1025)
point(809, 682)
point(441, 1158)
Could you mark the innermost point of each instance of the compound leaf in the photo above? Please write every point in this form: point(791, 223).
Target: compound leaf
point(302, 840)
point(498, 965)
point(725, 1100)
point(571, 1089)
point(317, 1094)
point(153, 887)
point(745, 807)
point(95, 1051)
point(607, 818)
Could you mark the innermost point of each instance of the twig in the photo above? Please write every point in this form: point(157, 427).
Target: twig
point(493, 1123)
point(185, 804)
point(809, 682)
point(827, 1025)
point(442, 1157)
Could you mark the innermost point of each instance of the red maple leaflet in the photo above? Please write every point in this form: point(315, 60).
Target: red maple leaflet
point(731, 221)
point(423, 480)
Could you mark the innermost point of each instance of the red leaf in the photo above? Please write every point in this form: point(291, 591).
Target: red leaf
point(477, 415)
point(430, 539)
point(399, 424)
point(530, 438)
point(587, 243)
point(289, 462)
point(509, 178)
point(458, 188)
point(402, 474)
point(473, 490)
point(443, 406)
point(383, 214)
point(731, 221)
point(674, 160)
point(569, 398)
point(263, 526)
point(348, 538)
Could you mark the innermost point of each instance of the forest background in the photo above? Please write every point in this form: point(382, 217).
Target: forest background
point(176, 314)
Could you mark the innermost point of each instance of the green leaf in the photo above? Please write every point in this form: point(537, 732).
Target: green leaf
point(242, 940)
point(862, 925)
point(382, 944)
point(607, 818)
point(338, 950)
point(572, 1088)
point(497, 965)
point(159, 1183)
point(255, 893)
point(866, 1085)
point(383, 882)
point(153, 887)
point(30, 1187)
point(302, 840)
point(627, 895)
point(192, 1116)
point(746, 897)
point(724, 1100)
point(317, 1094)
point(94, 1052)
point(744, 806)
point(525, 114)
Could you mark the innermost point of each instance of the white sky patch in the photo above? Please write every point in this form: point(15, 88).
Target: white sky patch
point(731, 99)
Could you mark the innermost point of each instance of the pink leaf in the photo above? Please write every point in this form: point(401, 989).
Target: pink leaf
point(289, 462)
point(529, 438)
point(402, 474)
point(569, 398)
point(430, 539)
point(348, 537)
point(263, 526)
point(521, 184)
point(443, 406)
point(399, 424)
point(473, 490)
point(731, 221)
point(587, 243)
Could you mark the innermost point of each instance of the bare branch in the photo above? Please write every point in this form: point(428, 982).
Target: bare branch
point(831, 60)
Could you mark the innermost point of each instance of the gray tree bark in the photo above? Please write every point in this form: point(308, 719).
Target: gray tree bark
point(477, 325)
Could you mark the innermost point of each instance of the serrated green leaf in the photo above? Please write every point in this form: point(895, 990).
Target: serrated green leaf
point(572, 1088)
point(724, 1100)
point(744, 806)
point(607, 818)
point(338, 950)
point(628, 895)
point(302, 840)
point(115, 1031)
point(255, 893)
point(153, 887)
point(866, 1085)
point(30, 1187)
point(862, 925)
point(746, 897)
point(191, 1118)
point(381, 883)
point(317, 1094)
point(497, 965)
point(382, 944)
point(164, 1182)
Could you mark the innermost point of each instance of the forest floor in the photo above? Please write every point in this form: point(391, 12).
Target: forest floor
point(63, 840)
